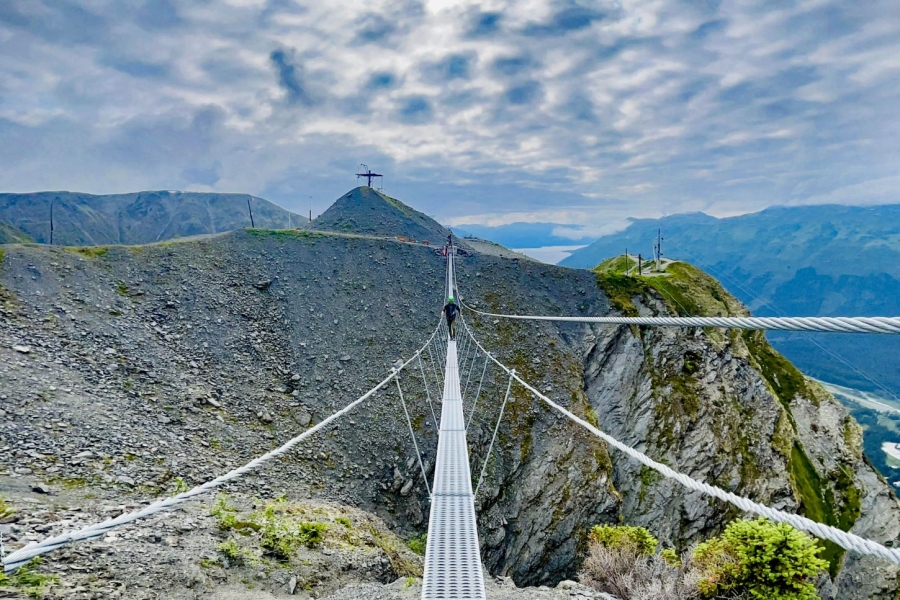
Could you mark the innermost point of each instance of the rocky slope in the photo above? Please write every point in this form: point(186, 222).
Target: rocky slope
point(136, 218)
point(127, 370)
point(367, 211)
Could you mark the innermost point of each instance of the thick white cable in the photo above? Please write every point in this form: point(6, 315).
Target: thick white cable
point(845, 540)
point(487, 456)
point(16, 559)
point(825, 324)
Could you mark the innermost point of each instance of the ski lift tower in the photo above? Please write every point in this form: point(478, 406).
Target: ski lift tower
point(365, 171)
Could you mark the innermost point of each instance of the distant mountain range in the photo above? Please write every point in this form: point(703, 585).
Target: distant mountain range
point(135, 218)
point(826, 260)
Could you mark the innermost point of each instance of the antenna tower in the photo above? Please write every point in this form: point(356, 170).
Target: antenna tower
point(657, 249)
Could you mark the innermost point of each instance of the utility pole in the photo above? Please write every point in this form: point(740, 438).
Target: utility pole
point(51, 222)
point(640, 264)
point(252, 224)
point(626, 261)
point(658, 249)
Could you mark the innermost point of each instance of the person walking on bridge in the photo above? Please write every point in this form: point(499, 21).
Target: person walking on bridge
point(450, 311)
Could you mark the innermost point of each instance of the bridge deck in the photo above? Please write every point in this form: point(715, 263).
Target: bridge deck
point(452, 555)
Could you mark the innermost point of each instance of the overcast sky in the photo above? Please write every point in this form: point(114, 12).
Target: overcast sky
point(491, 112)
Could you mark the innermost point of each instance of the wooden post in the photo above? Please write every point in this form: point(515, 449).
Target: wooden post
point(252, 224)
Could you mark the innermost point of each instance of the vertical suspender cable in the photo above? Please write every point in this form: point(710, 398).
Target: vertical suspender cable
point(494, 438)
point(428, 393)
point(487, 359)
point(413, 435)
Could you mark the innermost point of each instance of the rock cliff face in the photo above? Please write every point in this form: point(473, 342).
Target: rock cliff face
point(148, 364)
point(722, 407)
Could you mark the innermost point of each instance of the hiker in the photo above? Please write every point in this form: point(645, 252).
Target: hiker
point(450, 311)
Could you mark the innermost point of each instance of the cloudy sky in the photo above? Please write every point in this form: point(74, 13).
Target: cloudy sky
point(570, 112)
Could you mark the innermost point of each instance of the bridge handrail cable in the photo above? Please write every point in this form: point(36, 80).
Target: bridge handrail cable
point(16, 559)
point(844, 539)
point(888, 325)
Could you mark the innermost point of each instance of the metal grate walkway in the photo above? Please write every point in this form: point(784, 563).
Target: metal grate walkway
point(452, 555)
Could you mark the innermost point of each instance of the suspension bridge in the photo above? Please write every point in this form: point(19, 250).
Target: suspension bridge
point(453, 568)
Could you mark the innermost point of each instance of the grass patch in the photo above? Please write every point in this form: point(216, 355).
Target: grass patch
point(283, 234)
point(783, 377)
point(621, 291)
point(418, 543)
point(89, 251)
point(27, 581)
point(817, 503)
point(6, 509)
point(280, 533)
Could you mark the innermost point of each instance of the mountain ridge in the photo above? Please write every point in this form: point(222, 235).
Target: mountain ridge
point(823, 260)
point(81, 219)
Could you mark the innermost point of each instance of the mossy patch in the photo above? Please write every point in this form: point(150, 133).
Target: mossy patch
point(89, 251)
point(817, 502)
point(27, 580)
point(621, 291)
point(274, 532)
point(784, 379)
point(283, 234)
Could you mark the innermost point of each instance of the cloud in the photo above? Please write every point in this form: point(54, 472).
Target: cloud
point(291, 78)
point(576, 113)
point(566, 21)
point(415, 109)
point(482, 24)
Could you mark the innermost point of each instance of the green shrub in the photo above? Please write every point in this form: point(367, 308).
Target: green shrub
point(232, 551)
point(771, 561)
point(620, 536)
point(670, 556)
point(280, 536)
point(418, 543)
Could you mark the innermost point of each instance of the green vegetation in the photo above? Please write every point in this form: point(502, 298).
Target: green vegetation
point(817, 501)
point(283, 234)
point(280, 535)
point(670, 556)
point(26, 580)
point(232, 551)
point(122, 289)
point(89, 251)
point(765, 560)
point(636, 539)
point(621, 291)
point(6, 509)
point(343, 521)
point(417, 543)
point(785, 380)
